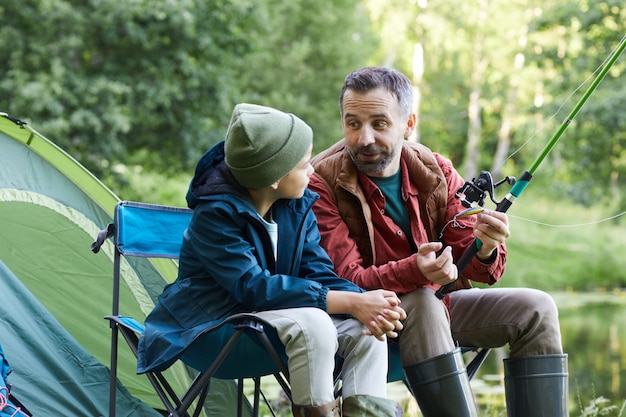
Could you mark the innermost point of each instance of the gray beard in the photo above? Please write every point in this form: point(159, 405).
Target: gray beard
point(373, 167)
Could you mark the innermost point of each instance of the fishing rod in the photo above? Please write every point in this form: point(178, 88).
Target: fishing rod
point(474, 191)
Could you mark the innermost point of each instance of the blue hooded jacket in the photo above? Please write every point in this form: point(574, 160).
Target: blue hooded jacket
point(227, 266)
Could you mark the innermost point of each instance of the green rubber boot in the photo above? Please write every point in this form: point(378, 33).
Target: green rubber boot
point(441, 386)
point(536, 386)
point(370, 406)
point(325, 410)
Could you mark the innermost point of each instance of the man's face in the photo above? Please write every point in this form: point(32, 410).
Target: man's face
point(374, 128)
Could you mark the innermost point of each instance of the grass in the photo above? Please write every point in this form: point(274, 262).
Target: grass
point(491, 404)
point(602, 407)
point(559, 246)
point(493, 407)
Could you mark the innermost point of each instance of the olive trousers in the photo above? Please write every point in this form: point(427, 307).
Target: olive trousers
point(524, 319)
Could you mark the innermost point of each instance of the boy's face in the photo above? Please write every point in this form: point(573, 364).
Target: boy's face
point(296, 181)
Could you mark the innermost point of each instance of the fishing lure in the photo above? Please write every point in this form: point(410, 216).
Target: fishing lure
point(464, 213)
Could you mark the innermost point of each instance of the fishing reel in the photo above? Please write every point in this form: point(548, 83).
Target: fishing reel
point(475, 191)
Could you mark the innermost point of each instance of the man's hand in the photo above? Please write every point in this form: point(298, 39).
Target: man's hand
point(492, 228)
point(438, 269)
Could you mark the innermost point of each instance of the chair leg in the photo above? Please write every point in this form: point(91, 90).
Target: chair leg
point(113, 371)
point(257, 390)
point(240, 397)
point(201, 400)
point(269, 405)
point(475, 363)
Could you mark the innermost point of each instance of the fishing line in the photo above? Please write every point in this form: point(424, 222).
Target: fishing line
point(560, 109)
point(606, 219)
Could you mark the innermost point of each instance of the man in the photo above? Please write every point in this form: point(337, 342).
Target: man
point(383, 203)
point(253, 246)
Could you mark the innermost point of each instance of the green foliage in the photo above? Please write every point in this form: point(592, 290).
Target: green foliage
point(106, 78)
point(574, 39)
point(536, 60)
point(152, 83)
point(137, 184)
point(115, 81)
point(305, 53)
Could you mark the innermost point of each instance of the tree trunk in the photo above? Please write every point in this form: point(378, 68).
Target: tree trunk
point(474, 109)
point(418, 72)
point(510, 108)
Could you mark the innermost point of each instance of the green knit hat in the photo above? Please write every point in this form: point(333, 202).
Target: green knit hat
point(264, 144)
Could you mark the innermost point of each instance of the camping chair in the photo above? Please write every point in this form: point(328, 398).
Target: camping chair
point(155, 231)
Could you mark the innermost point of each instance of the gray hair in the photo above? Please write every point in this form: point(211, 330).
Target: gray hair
point(370, 78)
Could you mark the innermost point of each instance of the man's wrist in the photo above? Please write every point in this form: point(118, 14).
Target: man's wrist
point(488, 259)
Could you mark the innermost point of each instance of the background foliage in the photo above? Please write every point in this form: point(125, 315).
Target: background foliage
point(137, 90)
point(153, 83)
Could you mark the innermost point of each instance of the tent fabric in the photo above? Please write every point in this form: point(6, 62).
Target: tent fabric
point(56, 292)
point(41, 358)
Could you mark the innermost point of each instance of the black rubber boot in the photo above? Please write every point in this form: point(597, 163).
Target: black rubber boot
point(536, 386)
point(441, 386)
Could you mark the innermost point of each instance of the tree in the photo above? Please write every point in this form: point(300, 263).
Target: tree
point(572, 42)
point(306, 50)
point(111, 81)
point(153, 83)
point(494, 89)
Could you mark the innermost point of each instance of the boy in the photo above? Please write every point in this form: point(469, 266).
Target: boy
point(253, 246)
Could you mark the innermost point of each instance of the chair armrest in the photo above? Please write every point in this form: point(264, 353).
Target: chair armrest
point(127, 322)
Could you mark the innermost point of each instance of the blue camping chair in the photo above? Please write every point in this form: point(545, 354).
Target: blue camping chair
point(142, 230)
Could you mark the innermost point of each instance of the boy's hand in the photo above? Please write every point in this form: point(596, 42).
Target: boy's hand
point(380, 311)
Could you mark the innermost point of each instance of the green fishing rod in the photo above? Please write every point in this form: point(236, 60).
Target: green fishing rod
point(475, 190)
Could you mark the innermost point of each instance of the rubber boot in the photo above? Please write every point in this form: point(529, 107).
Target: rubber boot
point(370, 406)
point(326, 410)
point(441, 386)
point(536, 386)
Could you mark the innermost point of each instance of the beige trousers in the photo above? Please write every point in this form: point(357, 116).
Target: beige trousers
point(312, 338)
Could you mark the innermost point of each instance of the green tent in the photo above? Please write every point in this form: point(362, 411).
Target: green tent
point(55, 291)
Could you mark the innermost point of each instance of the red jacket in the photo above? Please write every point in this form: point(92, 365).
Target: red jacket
point(366, 246)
